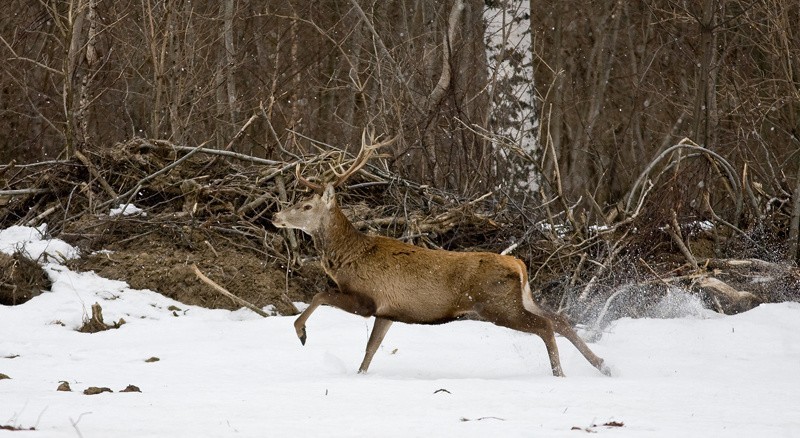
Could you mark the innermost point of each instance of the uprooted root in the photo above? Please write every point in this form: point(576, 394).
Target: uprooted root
point(96, 324)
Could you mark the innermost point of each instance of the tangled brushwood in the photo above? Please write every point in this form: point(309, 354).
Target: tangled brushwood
point(20, 279)
point(159, 208)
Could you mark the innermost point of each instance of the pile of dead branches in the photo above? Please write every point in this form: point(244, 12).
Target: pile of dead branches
point(177, 186)
point(618, 260)
point(20, 279)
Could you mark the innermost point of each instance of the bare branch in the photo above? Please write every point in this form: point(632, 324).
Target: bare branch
point(33, 61)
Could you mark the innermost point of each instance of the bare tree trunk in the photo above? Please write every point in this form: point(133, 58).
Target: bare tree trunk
point(787, 44)
point(556, 120)
point(438, 93)
point(794, 223)
point(75, 18)
point(353, 72)
point(174, 81)
point(705, 101)
point(602, 58)
point(222, 125)
point(82, 112)
point(230, 60)
point(156, 45)
point(294, 96)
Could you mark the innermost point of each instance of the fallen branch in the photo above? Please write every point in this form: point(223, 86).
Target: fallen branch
point(224, 153)
point(674, 231)
point(41, 216)
point(13, 164)
point(225, 292)
point(241, 132)
point(15, 192)
point(93, 170)
point(719, 287)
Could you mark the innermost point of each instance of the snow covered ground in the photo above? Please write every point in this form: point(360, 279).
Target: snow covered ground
point(225, 373)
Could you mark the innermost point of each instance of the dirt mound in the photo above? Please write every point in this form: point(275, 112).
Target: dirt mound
point(20, 279)
point(160, 259)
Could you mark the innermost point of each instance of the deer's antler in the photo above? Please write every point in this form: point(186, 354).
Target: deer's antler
point(364, 154)
point(313, 186)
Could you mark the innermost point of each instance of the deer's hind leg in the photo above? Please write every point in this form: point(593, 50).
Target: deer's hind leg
point(519, 319)
point(562, 326)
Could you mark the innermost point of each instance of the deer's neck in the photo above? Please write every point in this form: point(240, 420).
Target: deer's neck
point(338, 242)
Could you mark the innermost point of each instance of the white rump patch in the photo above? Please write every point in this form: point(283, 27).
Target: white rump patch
point(527, 297)
point(528, 303)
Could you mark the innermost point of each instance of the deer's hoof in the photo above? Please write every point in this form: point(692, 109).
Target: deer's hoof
point(301, 333)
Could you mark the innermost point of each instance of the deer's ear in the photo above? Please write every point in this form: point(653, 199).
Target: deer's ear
point(329, 196)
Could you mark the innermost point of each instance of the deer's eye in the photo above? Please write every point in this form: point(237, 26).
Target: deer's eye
point(307, 207)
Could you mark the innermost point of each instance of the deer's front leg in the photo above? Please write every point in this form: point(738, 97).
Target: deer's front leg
point(347, 302)
point(375, 338)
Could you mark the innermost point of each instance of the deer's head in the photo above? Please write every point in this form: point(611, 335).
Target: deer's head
point(310, 214)
point(314, 213)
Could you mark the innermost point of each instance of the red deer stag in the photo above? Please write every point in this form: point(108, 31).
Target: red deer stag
point(394, 281)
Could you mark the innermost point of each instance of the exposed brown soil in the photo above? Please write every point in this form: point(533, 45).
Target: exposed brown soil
point(160, 259)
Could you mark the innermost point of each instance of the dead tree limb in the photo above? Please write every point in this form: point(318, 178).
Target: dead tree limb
point(241, 132)
point(735, 188)
point(674, 231)
point(30, 191)
point(93, 170)
point(224, 153)
point(719, 287)
point(225, 292)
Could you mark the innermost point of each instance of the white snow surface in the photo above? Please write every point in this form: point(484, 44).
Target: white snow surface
point(224, 373)
point(30, 242)
point(126, 210)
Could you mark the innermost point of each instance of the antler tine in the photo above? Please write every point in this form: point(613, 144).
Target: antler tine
point(313, 186)
point(364, 154)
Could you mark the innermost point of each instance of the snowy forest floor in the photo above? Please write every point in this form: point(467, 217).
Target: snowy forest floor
point(232, 373)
